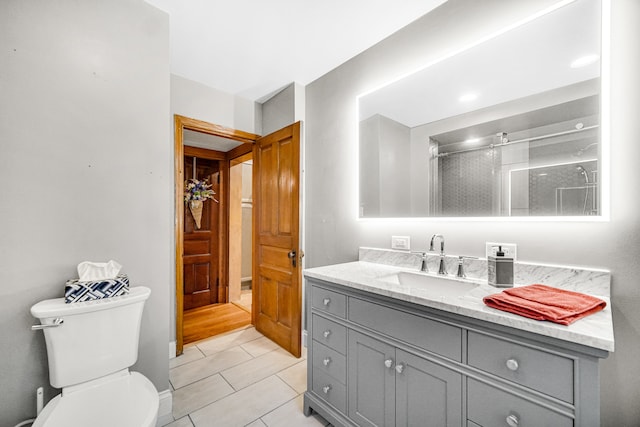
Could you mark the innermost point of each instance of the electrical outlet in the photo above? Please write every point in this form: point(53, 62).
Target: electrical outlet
point(509, 249)
point(401, 242)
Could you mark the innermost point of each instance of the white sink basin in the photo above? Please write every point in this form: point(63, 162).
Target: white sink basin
point(431, 286)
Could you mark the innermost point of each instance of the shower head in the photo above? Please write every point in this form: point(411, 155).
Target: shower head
point(583, 172)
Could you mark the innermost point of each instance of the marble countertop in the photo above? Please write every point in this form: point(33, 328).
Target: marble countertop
point(594, 331)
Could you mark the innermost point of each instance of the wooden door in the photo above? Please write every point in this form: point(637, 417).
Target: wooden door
point(277, 295)
point(201, 272)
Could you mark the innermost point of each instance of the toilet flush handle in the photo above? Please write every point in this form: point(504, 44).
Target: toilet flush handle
point(56, 322)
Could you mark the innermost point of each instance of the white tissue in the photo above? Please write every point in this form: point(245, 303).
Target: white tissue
point(89, 271)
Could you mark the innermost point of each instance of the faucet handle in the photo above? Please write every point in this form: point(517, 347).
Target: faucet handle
point(461, 259)
point(423, 255)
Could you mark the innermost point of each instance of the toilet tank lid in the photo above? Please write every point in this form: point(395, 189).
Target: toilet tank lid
point(57, 307)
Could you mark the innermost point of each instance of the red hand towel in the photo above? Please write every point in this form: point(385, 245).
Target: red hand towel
point(541, 302)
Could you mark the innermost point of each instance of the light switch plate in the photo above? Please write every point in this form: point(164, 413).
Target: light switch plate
point(509, 249)
point(401, 242)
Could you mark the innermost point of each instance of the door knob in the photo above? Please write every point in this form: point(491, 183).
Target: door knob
point(326, 333)
point(326, 361)
point(292, 257)
point(400, 368)
point(388, 363)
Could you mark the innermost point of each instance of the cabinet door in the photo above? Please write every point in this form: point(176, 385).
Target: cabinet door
point(427, 394)
point(371, 386)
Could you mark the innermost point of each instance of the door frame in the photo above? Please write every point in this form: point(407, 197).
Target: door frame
point(248, 139)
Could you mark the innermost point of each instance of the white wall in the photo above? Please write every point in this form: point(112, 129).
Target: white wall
point(333, 232)
point(85, 171)
point(197, 101)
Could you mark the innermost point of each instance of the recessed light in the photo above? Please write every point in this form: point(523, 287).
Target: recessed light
point(468, 97)
point(584, 61)
point(471, 140)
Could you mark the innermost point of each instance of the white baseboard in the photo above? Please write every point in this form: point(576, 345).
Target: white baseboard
point(172, 349)
point(165, 408)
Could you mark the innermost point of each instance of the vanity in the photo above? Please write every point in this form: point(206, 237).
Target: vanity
point(383, 351)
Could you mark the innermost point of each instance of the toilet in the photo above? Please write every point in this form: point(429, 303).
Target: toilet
point(90, 347)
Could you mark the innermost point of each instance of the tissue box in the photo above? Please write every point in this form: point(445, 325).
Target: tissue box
point(79, 291)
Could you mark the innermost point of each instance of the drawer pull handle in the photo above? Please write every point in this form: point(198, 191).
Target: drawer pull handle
point(512, 421)
point(326, 301)
point(388, 363)
point(326, 361)
point(512, 364)
point(326, 333)
point(400, 368)
point(326, 389)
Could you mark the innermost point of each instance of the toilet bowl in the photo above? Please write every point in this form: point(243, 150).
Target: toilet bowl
point(90, 347)
point(126, 399)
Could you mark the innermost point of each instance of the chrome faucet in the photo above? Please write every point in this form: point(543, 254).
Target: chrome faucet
point(442, 269)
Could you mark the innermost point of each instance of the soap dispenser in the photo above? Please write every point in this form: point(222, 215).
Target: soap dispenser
point(500, 269)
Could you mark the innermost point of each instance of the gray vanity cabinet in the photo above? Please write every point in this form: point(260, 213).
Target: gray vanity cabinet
point(371, 391)
point(391, 387)
point(377, 361)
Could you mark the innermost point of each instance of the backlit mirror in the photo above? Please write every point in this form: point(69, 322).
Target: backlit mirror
point(509, 127)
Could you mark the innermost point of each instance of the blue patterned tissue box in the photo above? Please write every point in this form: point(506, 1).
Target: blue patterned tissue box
point(79, 291)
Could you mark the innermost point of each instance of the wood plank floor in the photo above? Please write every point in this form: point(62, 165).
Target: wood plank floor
point(204, 322)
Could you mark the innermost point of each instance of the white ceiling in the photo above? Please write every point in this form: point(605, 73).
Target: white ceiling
point(531, 59)
point(252, 48)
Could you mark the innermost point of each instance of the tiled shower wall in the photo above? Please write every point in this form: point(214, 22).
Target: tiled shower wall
point(468, 183)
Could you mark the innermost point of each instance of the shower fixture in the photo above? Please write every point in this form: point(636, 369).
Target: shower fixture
point(583, 172)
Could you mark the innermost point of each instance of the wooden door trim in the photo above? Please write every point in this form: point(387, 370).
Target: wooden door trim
point(180, 124)
point(203, 153)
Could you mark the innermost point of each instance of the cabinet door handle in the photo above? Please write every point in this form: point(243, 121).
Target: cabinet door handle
point(388, 363)
point(512, 364)
point(326, 361)
point(326, 389)
point(512, 421)
point(326, 333)
point(400, 368)
point(326, 301)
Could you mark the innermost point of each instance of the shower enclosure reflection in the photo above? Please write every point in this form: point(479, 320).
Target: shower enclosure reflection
point(548, 168)
point(509, 127)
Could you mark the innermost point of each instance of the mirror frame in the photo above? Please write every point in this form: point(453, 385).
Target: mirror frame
point(605, 129)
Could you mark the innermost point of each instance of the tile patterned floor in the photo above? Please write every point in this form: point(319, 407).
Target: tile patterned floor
point(240, 378)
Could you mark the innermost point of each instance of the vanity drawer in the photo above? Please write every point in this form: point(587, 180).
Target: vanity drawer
point(545, 372)
point(490, 407)
point(329, 333)
point(330, 362)
point(330, 390)
point(431, 335)
point(329, 301)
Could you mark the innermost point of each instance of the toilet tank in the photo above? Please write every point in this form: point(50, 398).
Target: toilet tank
point(96, 338)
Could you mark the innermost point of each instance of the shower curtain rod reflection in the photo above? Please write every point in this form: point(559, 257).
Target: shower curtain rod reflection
point(518, 141)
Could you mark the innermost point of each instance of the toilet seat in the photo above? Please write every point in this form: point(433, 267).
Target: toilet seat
point(124, 399)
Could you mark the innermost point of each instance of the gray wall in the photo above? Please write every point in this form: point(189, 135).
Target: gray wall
point(85, 171)
point(278, 111)
point(333, 232)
